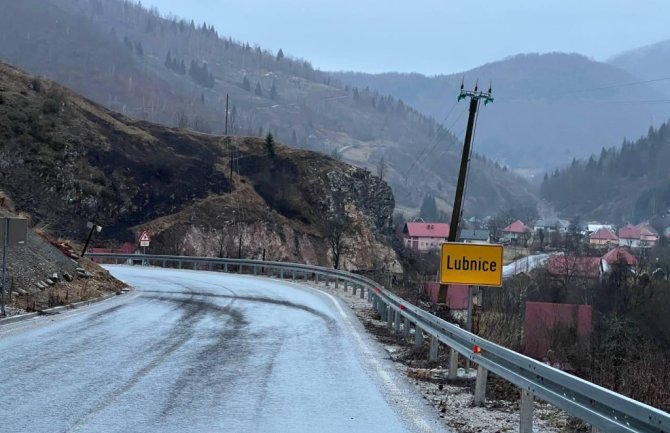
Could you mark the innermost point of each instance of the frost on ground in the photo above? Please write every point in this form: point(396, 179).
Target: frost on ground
point(453, 400)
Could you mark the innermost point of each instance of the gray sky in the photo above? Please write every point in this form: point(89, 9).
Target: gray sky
point(429, 36)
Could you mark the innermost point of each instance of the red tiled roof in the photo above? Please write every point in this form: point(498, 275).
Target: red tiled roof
point(619, 255)
point(517, 227)
point(427, 230)
point(629, 231)
point(574, 266)
point(604, 234)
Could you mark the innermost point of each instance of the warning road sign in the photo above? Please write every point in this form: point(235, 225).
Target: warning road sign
point(145, 239)
point(470, 264)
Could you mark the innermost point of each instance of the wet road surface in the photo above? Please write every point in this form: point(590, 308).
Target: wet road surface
point(203, 352)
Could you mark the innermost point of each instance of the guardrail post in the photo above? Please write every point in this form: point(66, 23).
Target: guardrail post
point(389, 317)
point(316, 278)
point(337, 283)
point(396, 322)
point(354, 287)
point(225, 268)
point(293, 275)
point(434, 344)
point(255, 270)
point(346, 286)
point(179, 264)
point(164, 264)
point(480, 386)
point(406, 327)
point(209, 266)
point(453, 364)
point(281, 273)
point(526, 412)
point(418, 337)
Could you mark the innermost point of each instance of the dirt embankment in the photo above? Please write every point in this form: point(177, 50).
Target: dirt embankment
point(43, 273)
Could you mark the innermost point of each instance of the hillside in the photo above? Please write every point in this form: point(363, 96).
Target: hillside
point(548, 108)
point(178, 73)
point(648, 63)
point(66, 160)
point(626, 184)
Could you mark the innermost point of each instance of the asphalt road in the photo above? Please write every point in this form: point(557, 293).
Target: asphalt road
point(204, 352)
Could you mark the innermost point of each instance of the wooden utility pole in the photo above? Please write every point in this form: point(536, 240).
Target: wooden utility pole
point(225, 131)
point(474, 96)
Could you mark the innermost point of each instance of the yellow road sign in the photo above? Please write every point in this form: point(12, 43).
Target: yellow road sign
point(471, 264)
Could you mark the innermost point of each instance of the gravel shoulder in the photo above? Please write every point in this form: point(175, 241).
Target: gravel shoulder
point(453, 399)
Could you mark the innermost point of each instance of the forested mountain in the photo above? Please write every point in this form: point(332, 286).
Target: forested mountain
point(626, 184)
point(178, 73)
point(548, 108)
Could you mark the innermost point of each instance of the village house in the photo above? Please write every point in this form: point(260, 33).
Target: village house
point(517, 232)
point(639, 236)
point(474, 236)
point(603, 237)
point(425, 236)
point(574, 266)
point(549, 225)
point(590, 267)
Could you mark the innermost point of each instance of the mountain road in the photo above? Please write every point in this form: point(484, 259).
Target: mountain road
point(195, 351)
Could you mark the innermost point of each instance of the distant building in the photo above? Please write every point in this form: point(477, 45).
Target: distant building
point(603, 237)
point(639, 236)
point(574, 266)
point(425, 236)
point(470, 236)
point(549, 225)
point(619, 255)
point(594, 227)
point(590, 267)
point(515, 232)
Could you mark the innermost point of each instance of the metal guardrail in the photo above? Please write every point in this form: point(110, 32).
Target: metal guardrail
point(603, 409)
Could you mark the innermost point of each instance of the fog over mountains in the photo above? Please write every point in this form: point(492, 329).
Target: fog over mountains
point(548, 108)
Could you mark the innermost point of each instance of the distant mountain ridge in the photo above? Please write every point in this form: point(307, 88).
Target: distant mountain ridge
point(548, 108)
point(648, 63)
point(178, 73)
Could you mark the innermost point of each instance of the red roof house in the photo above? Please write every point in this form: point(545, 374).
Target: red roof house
point(620, 255)
point(641, 235)
point(422, 236)
point(516, 230)
point(574, 266)
point(603, 236)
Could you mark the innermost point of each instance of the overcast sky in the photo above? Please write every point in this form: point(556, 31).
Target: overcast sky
point(429, 36)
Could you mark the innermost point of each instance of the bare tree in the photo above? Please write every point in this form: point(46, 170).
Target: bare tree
point(337, 226)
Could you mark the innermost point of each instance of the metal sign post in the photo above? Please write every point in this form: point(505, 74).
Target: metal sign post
point(14, 231)
point(145, 240)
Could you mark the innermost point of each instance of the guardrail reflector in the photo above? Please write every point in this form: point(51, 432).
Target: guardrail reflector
point(476, 349)
point(378, 290)
point(402, 307)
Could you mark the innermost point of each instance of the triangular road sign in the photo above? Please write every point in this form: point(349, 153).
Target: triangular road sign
point(144, 237)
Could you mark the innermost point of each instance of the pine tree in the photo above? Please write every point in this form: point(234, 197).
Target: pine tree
point(270, 145)
point(168, 61)
point(280, 54)
point(273, 91)
point(246, 85)
point(258, 91)
point(428, 208)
